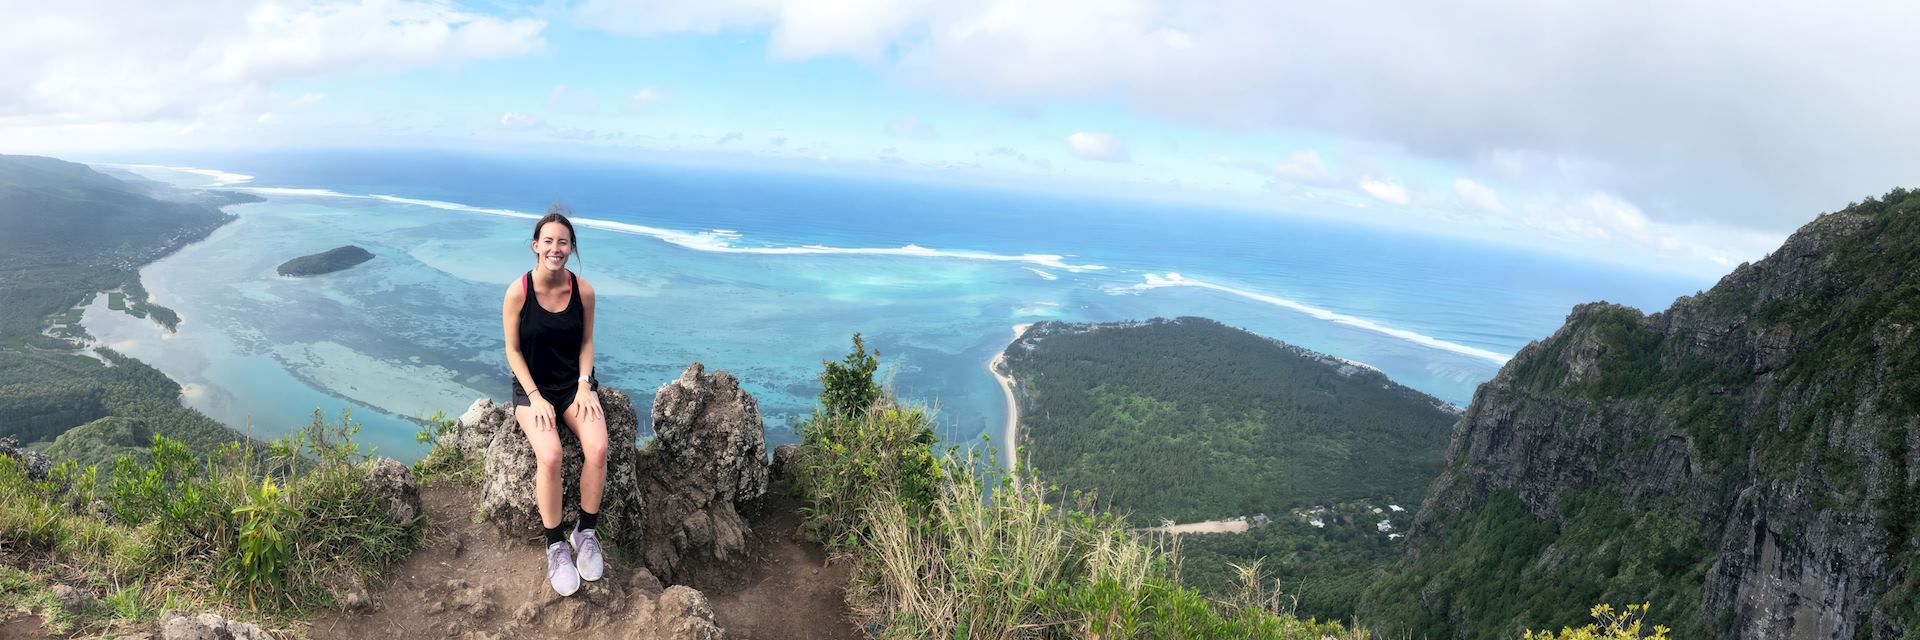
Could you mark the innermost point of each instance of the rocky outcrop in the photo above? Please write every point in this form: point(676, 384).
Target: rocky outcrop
point(507, 496)
point(36, 464)
point(1761, 436)
point(208, 626)
point(392, 486)
point(673, 504)
point(709, 453)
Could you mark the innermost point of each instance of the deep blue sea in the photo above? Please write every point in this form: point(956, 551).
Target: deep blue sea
point(765, 273)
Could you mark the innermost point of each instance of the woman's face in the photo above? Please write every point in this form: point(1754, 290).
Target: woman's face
point(553, 246)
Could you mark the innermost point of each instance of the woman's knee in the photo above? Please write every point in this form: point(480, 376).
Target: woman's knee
point(594, 449)
point(548, 455)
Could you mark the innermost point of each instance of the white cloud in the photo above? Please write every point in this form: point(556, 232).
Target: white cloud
point(1104, 147)
point(521, 121)
point(297, 104)
point(1535, 81)
point(910, 127)
point(732, 136)
point(1478, 195)
point(1305, 166)
point(574, 101)
point(1385, 190)
point(140, 62)
point(647, 98)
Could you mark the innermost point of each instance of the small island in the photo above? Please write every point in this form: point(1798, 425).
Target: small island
point(327, 261)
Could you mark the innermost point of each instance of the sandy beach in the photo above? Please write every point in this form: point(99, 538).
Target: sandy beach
point(1210, 526)
point(1011, 434)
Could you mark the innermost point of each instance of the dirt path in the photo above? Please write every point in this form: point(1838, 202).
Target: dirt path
point(469, 583)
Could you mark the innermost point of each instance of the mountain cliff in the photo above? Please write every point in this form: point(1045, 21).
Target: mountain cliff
point(1745, 460)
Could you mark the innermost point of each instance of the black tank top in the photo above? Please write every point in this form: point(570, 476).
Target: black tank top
point(551, 341)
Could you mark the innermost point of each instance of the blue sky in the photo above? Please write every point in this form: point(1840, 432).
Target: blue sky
point(1688, 136)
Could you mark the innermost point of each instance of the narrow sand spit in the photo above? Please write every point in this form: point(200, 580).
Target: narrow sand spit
point(1011, 434)
point(1210, 526)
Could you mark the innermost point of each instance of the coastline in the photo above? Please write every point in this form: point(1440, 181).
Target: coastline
point(1011, 432)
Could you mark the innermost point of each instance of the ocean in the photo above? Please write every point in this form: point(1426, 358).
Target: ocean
point(765, 273)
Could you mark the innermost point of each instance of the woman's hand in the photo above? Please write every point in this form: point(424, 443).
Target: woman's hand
point(543, 419)
point(589, 402)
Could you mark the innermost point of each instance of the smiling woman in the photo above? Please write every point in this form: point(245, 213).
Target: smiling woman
point(546, 348)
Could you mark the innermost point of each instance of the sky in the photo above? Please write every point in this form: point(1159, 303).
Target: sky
point(1685, 136)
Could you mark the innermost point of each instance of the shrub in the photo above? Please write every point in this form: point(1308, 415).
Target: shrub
point(445, 462)
point(860, 444)
point(996, 559)
point(1609, 625)
point(238, 529)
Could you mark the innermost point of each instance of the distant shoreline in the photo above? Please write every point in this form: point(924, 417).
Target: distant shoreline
point(1012, 430)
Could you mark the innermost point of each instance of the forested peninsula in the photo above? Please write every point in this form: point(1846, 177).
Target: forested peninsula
point(73, 233)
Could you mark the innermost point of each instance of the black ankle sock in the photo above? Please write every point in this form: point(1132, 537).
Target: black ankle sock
point(554, 535)
point(588, 520)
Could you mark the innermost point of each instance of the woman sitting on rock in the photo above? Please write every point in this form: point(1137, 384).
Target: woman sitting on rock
point(548, 317)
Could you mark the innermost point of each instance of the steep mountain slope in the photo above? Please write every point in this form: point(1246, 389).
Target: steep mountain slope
point(1746, 460)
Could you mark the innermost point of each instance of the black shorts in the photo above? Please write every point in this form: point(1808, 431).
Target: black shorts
point(559, 398)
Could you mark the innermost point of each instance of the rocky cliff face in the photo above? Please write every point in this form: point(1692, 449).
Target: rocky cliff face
point(1746, 460)
point(672, 504)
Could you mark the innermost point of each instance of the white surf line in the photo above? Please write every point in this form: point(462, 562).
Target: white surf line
point(220, 178)
point(1155, 281)
point(1043, 274)
point(716, 240)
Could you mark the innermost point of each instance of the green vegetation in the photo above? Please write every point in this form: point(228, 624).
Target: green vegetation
point(273, 532)
point(1322, 570)
point(1190, 420)
point(1819, 353)
point(943, 552)
point(1487, 565)
point(445, 463)
point(72, 233)
point(329, 261)
point(859, 445)
point(1624, 625)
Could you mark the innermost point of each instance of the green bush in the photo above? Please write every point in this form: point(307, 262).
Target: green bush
point(860, 444)
point(997, 559)
point(445, 462)
point(847, 387)
point(266, 532)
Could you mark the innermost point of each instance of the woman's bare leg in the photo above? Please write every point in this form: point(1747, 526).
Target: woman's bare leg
point(547, 489)
point(593, 446)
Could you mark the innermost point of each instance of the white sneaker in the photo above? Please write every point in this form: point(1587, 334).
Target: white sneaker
point(560, 572)
point(586, 548)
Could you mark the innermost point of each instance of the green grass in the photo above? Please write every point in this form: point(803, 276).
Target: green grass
point(262, 534)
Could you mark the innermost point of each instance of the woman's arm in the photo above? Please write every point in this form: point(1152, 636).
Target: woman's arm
point(510, 322)
point(591, 407)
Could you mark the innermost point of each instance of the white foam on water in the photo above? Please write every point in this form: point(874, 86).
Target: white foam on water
point(1156, 281)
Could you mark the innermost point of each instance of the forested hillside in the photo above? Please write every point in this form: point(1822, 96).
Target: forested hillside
point(73, 232)
point(1189, 419)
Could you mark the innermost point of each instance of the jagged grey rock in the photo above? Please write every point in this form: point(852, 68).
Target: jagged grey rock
point(36, 464)
point(708, 455)
point(507, 496)
point(208, 626)
point(72, 599)
point(393, 487)
point(674, 503)
point(784, 457)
